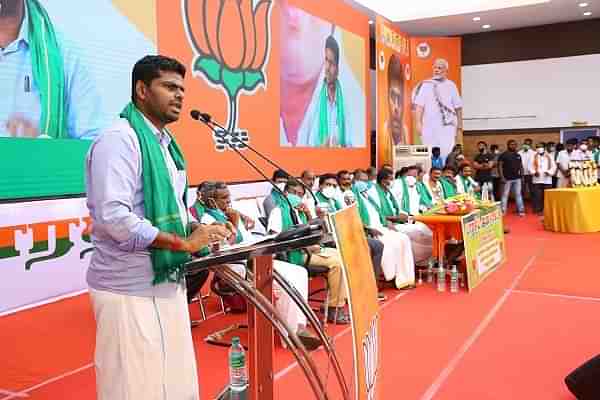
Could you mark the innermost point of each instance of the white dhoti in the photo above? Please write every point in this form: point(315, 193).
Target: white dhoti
point(421, 239)
point(297, 277)
point(397, 260)
point(144, 347)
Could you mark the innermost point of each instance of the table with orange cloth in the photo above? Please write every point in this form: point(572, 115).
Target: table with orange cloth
point(572, 210)
point(444, 227)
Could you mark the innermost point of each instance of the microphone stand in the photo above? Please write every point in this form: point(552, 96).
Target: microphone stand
point(211, 125)
point(244, 144)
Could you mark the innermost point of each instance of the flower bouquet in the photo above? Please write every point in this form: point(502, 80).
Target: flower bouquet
point(455, 206)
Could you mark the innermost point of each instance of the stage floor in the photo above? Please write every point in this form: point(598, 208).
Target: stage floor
point(515, 337)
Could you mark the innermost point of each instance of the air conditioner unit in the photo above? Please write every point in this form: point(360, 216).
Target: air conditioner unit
point(416, 154)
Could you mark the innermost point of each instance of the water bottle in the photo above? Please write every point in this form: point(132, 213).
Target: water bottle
point(238, 377)
point(430, 271)
point(454, 280)
point(485, 196)
point(441, 279)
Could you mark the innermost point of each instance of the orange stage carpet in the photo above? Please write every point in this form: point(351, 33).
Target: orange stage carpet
point(515, 337)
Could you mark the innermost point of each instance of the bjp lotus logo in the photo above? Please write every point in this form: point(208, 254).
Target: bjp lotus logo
point(231, 42)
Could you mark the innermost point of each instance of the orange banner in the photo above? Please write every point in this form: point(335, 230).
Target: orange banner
point(233, 52)
point(362, 299)
point(424, 53)
point(393, 66)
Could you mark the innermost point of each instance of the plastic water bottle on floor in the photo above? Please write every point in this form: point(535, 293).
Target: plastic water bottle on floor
point(430, 271)
point(441, 279)
point(454, 280)
point(238, 376)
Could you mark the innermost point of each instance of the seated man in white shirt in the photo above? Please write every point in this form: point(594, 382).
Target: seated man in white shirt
point(217, 209)
point(280, 177)
point(411, 198)
point(280, 220)
point(397, 262)
point(542, 168)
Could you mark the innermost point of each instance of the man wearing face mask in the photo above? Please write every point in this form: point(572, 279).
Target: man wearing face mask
point(328, 188)
point(484, 164)
point(551, 151)
point(583, 153)
point(398, 212)
point(280, 178)
point(438, 109)
point(217, 200)
point(542, 167)
point(527, 153)
point(397, 260)
point(280, 219)
point(563, 159)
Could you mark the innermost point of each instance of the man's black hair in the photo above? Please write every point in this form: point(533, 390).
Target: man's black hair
point(333, 45)
point(149, 68)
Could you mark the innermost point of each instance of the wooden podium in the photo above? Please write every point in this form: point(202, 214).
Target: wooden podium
point(260, 326)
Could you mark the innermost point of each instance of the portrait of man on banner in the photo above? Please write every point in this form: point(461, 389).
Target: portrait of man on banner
point(395, 132)
point(437, 108)
point(323, 101)
point(47, 92)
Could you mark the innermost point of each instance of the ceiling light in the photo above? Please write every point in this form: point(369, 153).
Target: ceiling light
point(370, 22)
point(396, 11)
point(486, 26)
point(587, 13)
point(583, 5)
point(476, 19)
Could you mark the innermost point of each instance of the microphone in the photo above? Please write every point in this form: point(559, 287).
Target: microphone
point(207, 120)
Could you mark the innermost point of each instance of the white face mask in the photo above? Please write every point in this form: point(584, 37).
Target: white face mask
point(281, 186)
point(411, 180)
point(540, 150)
point(583, 147)
point(328, 192)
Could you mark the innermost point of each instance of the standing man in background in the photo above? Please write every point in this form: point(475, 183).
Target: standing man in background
point(438, 109)
point(484, 164)
point(562, 161)
point(510, 168)
point(542, 168)
point(527, 153)
point(136, 190)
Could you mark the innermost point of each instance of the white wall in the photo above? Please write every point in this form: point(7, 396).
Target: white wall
point(532, 94)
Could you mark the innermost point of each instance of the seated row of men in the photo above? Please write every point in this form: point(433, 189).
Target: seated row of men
point(386, 207)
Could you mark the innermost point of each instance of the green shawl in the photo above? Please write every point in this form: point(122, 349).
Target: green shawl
point(324, 120)
point(160, 205)
point(48, 71)
point(447, 187)
point(199, 209)
point(219, 216)
point(332, 202)
point(294, 256)
point(362, 208)
point(468, 186)
point(596, 156)
point(425, 197)
point(388, 207)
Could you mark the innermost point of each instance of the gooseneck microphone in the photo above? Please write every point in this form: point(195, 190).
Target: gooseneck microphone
point(207, 120)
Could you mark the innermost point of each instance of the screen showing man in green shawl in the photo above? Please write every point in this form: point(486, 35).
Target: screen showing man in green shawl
point(62, 81)
point(323, 102)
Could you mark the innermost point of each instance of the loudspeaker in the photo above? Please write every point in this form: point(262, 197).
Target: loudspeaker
point(584, 382)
